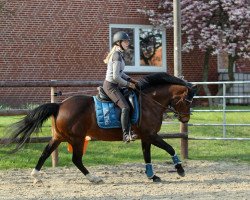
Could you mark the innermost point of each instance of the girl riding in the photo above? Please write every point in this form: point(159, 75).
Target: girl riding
point(116, 78)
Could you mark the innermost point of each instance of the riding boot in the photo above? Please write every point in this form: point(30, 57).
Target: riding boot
point(128, 134)
point(125, 124)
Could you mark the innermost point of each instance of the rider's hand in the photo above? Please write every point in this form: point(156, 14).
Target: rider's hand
point(132, 85)
point(134, 81)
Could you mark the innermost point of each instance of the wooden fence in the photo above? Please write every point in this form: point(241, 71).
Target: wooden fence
point(53, 84)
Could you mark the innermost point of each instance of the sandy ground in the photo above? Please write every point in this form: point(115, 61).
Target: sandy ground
point(203, 180)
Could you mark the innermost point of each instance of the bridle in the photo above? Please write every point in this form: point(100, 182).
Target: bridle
point(170, 107)
point(178, 114)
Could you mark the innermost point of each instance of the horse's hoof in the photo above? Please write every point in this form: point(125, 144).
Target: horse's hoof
point(36, 175)
point(180, 170)
point(182, 174)
point(37, 182)
point(100, 181)
point(156, 179)
point(94, 179)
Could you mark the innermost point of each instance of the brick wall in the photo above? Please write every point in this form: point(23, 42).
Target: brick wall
point(68, 40)
point(242, 66)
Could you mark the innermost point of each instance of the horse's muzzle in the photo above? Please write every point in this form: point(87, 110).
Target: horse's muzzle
point(184, 119)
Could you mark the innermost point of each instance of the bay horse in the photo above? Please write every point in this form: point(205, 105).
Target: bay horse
point(75, 118)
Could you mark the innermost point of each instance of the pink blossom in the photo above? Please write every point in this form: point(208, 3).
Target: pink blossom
point(213, 24)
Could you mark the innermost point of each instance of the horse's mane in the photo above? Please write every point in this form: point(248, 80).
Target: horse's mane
point(159, 79)
point(164, 78)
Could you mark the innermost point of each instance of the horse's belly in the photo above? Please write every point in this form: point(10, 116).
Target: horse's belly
point(106, 134)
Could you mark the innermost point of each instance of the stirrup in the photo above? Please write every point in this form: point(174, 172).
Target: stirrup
point(133, 135)
point(126, 138)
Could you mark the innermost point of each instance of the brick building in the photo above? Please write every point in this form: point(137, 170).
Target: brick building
point(68, 40)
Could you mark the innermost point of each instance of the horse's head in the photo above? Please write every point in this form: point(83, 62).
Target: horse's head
point(173, 92)
point(181, 101)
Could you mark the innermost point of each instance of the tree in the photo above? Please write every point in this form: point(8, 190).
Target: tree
point(212, 25)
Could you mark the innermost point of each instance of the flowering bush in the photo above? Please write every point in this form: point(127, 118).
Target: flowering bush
point(214, 24)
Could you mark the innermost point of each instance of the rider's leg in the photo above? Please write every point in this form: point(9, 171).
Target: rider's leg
point(125, 124)
point(117, 97)
point(128, 135)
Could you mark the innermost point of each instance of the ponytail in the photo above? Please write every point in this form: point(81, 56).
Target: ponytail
point(106, 60)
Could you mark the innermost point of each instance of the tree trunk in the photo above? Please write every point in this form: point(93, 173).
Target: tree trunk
point(205, 75)
point(231, 61)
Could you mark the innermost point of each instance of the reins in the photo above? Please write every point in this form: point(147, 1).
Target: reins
point(169, 107)
point(151, 99)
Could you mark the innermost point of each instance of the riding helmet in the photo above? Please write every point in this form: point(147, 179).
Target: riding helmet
point(121, 35)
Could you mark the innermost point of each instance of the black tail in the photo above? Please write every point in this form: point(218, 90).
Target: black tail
point(21, 131)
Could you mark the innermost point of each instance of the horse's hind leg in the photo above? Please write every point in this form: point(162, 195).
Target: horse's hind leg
point(77, 160)
point(159, 142)
point(53, 144)
point(146, 149)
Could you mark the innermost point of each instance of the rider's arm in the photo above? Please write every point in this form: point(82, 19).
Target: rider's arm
point(125, 76)
point(117, 74)
point(117, 68)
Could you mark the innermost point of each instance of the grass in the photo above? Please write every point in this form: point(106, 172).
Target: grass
point(111, 153)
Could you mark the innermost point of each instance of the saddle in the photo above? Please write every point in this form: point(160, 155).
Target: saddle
point(128, 94)
point(108, 114)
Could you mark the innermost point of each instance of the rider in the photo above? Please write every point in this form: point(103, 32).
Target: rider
point(116, 78)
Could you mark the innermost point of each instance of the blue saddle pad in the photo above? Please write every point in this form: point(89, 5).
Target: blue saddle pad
point(108, 114)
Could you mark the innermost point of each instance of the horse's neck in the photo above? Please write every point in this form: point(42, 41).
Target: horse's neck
point(160, 94)
point(165, 93)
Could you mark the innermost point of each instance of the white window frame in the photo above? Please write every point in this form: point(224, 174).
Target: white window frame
point(139, 68)
point(219, 69)
point(222, 70)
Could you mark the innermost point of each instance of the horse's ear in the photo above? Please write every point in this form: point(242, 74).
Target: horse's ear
point(192, 92)
point(194, 89)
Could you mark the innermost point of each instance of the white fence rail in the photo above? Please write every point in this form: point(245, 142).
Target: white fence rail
point(224, 110)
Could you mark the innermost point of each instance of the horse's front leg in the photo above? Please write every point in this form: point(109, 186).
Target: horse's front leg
point(159, 142)
point(146, 149)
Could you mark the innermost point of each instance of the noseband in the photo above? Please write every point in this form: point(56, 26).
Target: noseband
point(177, 114)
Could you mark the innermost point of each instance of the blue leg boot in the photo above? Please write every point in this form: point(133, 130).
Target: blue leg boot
point(178, 166)
point(150, 174)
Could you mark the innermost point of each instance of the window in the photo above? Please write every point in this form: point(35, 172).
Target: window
point(222, 61)
point(147, 52)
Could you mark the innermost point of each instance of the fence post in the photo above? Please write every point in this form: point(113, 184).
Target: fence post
point(184, 141)
point(54, 154)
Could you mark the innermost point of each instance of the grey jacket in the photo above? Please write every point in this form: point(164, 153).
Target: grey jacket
point(115, 69)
